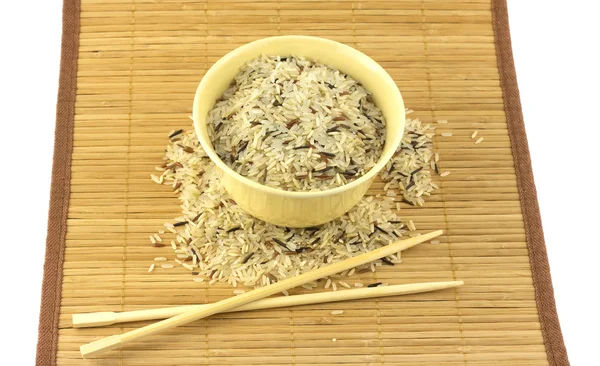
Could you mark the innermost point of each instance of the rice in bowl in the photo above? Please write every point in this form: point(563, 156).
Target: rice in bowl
point(297, 125)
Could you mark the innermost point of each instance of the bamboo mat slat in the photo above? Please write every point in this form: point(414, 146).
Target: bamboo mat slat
point(133, 74)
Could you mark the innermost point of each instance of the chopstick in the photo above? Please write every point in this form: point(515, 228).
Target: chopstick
point(108, 317)
point(105, 344)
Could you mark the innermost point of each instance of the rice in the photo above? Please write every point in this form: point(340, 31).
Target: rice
point(478, 140)
point(296, 125)
point(344, 284)
point(409, 168)
point(228, 245)
point(337, 312)
point(220, 252)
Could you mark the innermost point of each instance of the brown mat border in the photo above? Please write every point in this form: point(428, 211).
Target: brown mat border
point(538, 257)
point(60, 187)
point(61, 175)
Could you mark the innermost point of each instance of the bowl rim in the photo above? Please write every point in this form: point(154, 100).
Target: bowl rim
point(362, 58)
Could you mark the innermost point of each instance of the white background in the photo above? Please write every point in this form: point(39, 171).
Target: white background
point(556, 46)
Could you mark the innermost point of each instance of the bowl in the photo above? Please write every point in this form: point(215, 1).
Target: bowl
point(292, 208)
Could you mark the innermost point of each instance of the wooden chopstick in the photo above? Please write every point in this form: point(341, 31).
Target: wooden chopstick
point(105, 344)
point(108, 317)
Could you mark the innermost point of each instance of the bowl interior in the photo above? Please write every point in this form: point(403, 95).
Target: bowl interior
point(346, 59)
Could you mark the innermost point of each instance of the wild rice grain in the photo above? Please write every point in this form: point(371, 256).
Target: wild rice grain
point(387, 261)
point(175, 133)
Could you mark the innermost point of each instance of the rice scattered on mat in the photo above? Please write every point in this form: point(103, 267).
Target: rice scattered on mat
point(226, 244)
point(296, 125)
point(409, 169)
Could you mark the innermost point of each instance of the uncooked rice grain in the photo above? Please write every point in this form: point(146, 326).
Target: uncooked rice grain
point(344, 284)
point(474, 134)
point(411, 225)
point(337, 312)
point(167, 265)
point(478, 140)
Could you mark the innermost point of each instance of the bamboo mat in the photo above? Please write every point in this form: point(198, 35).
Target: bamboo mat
point(129, 71)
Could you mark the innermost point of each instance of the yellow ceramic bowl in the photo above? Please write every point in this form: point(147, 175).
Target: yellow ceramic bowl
point(300, 209)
